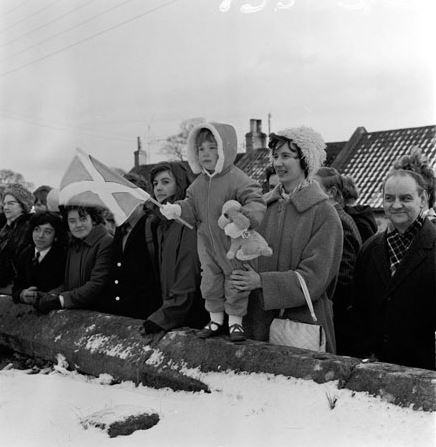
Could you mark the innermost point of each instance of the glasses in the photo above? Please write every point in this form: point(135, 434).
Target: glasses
point(10, 203)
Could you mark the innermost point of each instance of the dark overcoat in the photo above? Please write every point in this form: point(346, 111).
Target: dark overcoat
point(397, 314)
point(134, 289)
point(87, 269)
point(182, 303)
point(13, 240)
point(45, 275)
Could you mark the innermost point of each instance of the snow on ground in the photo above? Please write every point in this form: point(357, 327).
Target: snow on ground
point(242, 410)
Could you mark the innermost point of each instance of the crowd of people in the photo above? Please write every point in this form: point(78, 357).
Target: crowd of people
point(373, 291)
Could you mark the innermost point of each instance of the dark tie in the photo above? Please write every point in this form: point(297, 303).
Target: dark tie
point(35, 260)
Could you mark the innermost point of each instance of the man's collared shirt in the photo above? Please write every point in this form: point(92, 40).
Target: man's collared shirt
point(398, 243)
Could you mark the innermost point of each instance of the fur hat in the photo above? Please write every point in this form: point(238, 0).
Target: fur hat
point(311, 144)
point(21, 194)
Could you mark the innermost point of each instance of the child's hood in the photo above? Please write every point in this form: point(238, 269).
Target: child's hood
point(225, 136)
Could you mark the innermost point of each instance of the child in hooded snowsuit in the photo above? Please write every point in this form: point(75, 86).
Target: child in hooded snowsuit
point(212, 150)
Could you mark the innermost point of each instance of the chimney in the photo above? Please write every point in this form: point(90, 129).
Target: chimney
point(140, 156)
point(255, 139)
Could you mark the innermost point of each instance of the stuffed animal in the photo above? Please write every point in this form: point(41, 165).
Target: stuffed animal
point(245, 244)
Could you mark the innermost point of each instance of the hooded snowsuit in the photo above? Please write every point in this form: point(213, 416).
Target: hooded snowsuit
point(203, 206)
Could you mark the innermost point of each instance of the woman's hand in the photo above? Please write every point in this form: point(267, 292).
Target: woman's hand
point(245, 280)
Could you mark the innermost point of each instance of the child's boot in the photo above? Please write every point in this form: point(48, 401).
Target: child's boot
point(214, 327)
point(236, 331)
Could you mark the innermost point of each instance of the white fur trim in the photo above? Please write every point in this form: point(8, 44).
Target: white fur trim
point(192, 153)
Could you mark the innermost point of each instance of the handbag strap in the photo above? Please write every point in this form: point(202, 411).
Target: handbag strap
point(306, 297)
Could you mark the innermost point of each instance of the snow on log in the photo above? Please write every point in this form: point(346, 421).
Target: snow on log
point(96, 344)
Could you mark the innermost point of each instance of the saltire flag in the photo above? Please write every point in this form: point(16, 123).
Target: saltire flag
point(88, 182)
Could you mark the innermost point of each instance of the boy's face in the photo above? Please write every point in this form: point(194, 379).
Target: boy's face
point(208, 155)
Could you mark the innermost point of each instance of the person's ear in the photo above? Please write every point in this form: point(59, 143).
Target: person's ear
point(424, 199)
point(331, 192)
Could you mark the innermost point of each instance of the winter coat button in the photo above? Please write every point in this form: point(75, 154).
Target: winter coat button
point(117, 298)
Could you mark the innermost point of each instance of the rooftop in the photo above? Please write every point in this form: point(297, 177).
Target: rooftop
point(368, 156)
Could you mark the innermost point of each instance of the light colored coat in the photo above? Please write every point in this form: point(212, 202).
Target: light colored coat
point(305, 234)
point(203, 206)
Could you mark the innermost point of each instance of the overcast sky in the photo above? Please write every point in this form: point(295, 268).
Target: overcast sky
point(96, 74)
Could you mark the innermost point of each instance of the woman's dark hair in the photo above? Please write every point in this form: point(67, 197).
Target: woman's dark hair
point(180, 173)
point(276, 142)
point(95, 213)
point(41, 192)
point(332, 182)
point(349, 191)
point(48, 217)
point(416, 162)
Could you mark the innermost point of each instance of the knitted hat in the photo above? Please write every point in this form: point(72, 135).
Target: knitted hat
point(21, 194)
point(310, 143)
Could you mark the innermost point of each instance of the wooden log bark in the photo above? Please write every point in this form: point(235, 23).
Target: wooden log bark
point(97, 343)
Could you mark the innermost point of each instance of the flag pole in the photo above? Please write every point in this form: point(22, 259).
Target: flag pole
point(177, 218)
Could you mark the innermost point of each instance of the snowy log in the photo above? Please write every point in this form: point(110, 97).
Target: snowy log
point(96, 343)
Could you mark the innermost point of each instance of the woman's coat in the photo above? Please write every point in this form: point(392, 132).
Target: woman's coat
point(182, 304)
point(87, 269)
point(306, 235)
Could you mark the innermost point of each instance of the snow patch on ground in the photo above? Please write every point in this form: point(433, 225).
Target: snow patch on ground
point(242, 410)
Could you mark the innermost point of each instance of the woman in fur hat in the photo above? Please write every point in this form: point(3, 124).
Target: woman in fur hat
point(305, 233)
point(17, 203)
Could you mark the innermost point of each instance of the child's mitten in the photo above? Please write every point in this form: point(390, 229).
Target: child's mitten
point(171, 211)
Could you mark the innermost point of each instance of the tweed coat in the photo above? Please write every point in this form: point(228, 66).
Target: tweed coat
point(306, 235)
point(397, 314)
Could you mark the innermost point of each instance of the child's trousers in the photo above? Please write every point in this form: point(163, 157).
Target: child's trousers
point(215, 285)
